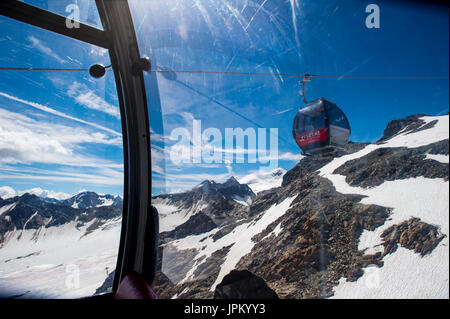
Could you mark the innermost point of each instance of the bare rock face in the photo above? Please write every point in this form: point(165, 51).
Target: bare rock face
point(162, 286)
point(309, 248)
point(411, 124)
point(106, 287)
point(318, 243)
point(197, 224)
point(388, 164)
point(412, 234)
point(218, 199)
point(242, 284)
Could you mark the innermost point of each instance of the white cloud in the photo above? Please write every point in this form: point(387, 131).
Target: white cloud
point(58, 113)
point(90, 100)
point(37, 44)
point(7, 192)
point(45, 193)
point(157, 169)
point(25, 140)
point(98, 176)
point(155, 137)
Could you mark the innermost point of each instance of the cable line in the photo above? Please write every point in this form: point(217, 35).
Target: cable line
point(358, 77)
point(167, 73)
point(226, 107)
point(306, 75)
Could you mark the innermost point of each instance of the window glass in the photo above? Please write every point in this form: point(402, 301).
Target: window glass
point(299, 121)
point(84, 11)
point(61, 167)
point(310, 123)
point(231, 186)
point(336, 117)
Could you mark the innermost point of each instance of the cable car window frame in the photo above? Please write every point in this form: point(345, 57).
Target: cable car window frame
point(138, 239)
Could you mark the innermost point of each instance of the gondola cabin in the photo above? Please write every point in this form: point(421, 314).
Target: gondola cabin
point(320, 126)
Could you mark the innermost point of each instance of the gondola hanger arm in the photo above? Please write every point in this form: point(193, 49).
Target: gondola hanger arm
point(306, 78)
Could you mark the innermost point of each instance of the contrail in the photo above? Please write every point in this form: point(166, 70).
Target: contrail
point(284, 111)
point(356, 68)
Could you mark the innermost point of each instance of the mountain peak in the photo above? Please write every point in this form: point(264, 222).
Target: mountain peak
point(232, 180)
point(205, 183)
point(84, 193)
point(29, 196)
point(396, 126)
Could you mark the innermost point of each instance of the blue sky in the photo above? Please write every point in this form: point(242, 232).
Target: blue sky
point(66, 125)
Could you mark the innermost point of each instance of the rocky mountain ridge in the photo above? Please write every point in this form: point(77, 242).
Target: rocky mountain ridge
point(220, 202)
point(317, 241)
point(29, 211)
point(331, 222)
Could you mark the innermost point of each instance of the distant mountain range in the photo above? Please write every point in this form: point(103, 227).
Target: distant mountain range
point(218, 202)
point(371, 221)
point(32, 212)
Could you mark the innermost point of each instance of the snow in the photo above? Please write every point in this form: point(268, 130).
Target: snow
point(277, 230)
point(55, 257)
point(240, 239)
point(106, 202)
point(102, 197)
point(185, 290)
point(171, 216)
point(260, 181)
point(5, 209)
point(245, 201)
point(421, 138)
point(28, 220)
point(438, 158)
point(438, 133)
point(405, 274)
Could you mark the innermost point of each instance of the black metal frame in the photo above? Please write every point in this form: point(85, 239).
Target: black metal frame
point(138, 242)
point(50, 21)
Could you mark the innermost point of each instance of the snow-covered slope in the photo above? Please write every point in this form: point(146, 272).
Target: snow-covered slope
point(375, 220)
point(239, 239)
point(261, 181)
point(58, 262)
point(405, 274)
point(91, 199)
point(369, 223)
point(6, 208)
point(171, 216)
point(52, 250)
